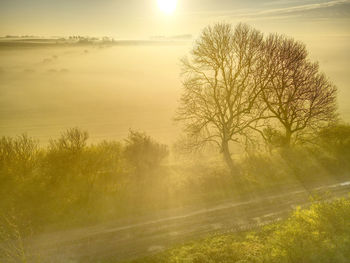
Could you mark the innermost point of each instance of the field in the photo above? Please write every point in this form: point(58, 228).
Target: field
point(45, 89)
point(105, 90)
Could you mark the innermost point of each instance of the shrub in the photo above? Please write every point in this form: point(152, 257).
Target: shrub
point(335, 141)
point(143, 153)
point(318, 234)
point(18, 156)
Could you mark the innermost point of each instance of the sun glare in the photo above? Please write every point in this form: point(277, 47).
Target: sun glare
point(167, 6)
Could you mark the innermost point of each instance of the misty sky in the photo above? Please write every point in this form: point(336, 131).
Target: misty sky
point(27, 100)
point(142, 18)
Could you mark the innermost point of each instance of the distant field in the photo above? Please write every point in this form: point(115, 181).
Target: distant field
point(104, 90)
point(107, 90)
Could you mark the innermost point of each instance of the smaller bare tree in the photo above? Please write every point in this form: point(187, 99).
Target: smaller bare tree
point(18, 156)
point(297, 95)
point(72, 140)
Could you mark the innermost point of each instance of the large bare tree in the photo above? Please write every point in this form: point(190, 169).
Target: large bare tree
point(297, 95)
point(219, 100)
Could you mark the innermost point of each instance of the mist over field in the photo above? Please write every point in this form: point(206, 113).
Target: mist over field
point(108, 90)
point(104, 90)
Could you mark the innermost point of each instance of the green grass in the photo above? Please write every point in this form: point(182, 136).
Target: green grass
point(319, 234)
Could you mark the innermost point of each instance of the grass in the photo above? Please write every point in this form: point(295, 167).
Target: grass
point(320, 233)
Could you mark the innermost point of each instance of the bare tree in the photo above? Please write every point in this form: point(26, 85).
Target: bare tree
point(72, 140)
point(19, 156)
point(219, 100)
point(297, 94)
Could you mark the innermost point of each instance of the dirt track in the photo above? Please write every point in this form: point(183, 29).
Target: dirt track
point(126, 241)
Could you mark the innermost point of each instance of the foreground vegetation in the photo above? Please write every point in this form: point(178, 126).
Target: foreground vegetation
point(319, 234)
point(71, 182)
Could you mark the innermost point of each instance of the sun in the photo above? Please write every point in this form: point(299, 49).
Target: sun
point(167, 6)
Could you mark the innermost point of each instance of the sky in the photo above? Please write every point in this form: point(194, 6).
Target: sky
point(323, 25)
point(139, 19)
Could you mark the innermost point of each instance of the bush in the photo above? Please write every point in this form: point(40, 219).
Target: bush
point(334, 141)
point(18, 156)
point(319, 234)
point(71, 182)
point(143, 153)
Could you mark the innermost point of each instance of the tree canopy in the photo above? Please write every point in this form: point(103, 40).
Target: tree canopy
point(236, 81)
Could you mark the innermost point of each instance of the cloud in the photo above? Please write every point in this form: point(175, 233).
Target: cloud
point(301, 8)
point(285, 2)
point(340, 8)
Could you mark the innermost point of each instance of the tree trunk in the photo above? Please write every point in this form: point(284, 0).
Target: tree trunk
point(227, 157)
point(288, 138)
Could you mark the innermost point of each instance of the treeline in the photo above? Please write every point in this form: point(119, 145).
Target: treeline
point(70, 182)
